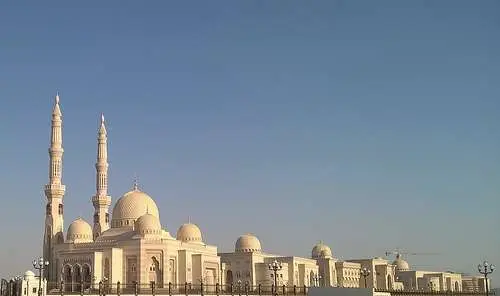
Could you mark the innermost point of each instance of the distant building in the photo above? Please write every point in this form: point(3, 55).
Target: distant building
point(26, 285)
point(474, 284)
point(249, 265)
point(426, 280)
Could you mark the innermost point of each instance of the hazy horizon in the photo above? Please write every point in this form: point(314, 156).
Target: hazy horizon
point(368, 125)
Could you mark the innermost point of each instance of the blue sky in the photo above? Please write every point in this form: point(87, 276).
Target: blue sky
point(370, 125)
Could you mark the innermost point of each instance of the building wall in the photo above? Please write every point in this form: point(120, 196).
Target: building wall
point(382, 273)
point(474, 284)
point(327, 272)
point(348, 274)
point(335, 291)
point(29, 286)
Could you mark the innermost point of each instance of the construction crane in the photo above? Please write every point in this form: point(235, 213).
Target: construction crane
point(398, 253)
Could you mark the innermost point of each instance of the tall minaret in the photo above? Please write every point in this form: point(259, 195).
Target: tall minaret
point(54, 191)
point(101, 200)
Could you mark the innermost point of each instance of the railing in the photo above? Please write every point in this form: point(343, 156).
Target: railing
point(170, 289)
point(435, 293)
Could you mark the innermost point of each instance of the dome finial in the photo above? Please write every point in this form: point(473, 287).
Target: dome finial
point(136, 183)
point(189, 219)
point(57, 97)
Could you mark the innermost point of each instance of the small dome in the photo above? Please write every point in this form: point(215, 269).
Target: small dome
point(247, 243)
point(320, 250)
point(401, 264)
point(29, 275)
point(189, 232)
point(131, 206)
point(79, 232)
point(148, 224)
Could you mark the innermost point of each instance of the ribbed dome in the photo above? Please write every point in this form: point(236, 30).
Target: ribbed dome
point(320, 250)
point(148, 224)
point(247, 243)
point(189, 233)
point(401, 265)
point(131, 206)
point(79, 231)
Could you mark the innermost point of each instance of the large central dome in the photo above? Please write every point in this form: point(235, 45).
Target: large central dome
point(131, 206)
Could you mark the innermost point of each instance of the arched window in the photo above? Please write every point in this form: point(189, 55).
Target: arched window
point(86, 276)
point(229, 277)
point(68, 278)
point(106, 268)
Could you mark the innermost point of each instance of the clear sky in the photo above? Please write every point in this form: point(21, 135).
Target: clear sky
point(370, 125)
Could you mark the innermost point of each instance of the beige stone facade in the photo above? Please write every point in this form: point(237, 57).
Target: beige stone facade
point(129, 245)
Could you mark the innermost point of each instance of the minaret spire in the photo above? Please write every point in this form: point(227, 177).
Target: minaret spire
point(56, 150)
point(101, 200)
point(54, 191)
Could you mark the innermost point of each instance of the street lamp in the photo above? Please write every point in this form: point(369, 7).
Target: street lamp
point(275, 267)
point(40, 264)
point(485, 269)
point(365, 272)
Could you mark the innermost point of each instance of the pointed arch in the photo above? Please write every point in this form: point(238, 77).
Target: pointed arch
point(77, 277)
point(86, 271)
point(154, 270)
point(68, 277)
point(106, 268)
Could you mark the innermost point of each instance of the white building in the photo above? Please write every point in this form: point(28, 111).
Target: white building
point(130, 246)
point(249, 265)
point(426, 280)
point(29, 285)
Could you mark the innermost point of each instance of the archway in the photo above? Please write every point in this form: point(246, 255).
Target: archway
point(209, 280)
point(229, 277)
point(311, 279)
point(154, 271)
point(86, 276)
point(77, 273)
point(389, 282)
point(457, 287)
point(106, 269)
point(68, 278)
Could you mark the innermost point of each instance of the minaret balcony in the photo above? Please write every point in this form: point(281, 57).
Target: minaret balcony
point(101, 200)
point(55, 190)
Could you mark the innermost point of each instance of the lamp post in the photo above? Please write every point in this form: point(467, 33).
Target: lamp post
point(275, 267)
point(317, 279)
point(485, 269)
point(365, 272)
point(40, 264)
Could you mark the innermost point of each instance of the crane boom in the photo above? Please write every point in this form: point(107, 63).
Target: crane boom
point(398, 253)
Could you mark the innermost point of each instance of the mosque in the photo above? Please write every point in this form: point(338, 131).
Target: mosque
point(129, 245)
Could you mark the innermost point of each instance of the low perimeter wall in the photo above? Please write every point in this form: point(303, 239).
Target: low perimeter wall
point(370, 292)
